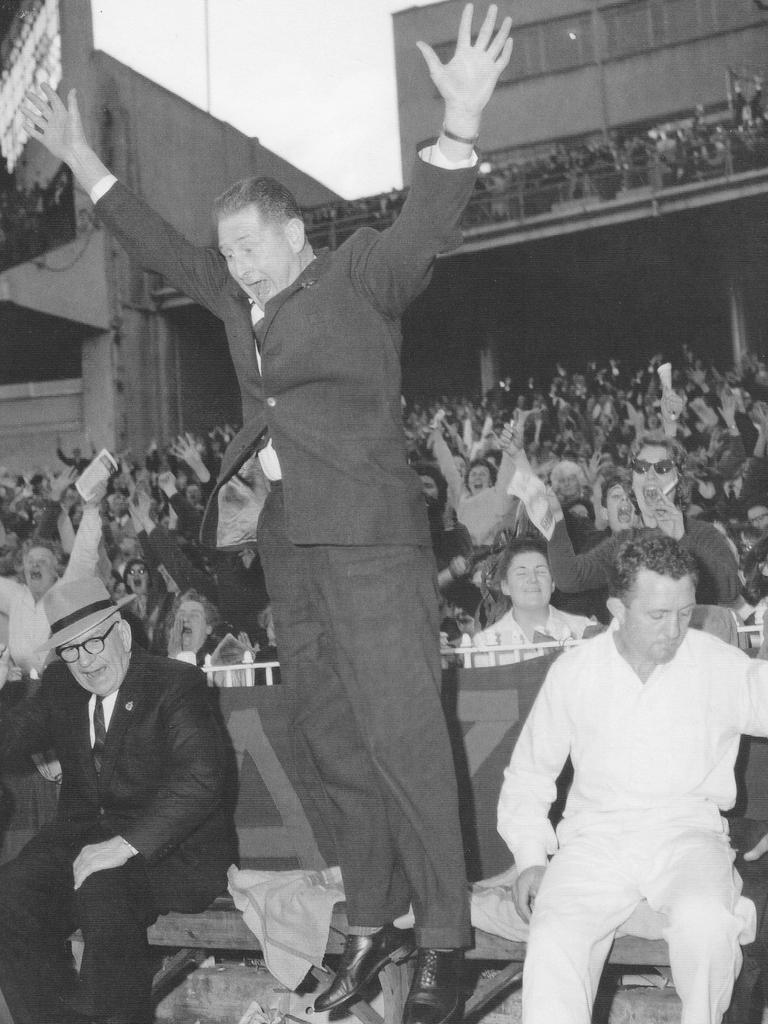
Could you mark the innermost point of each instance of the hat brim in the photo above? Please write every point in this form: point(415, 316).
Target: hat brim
point(81, 627)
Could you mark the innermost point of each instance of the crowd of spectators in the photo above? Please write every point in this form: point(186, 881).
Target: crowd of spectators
point(695, 148)
point(594, 435)
point(35, 220)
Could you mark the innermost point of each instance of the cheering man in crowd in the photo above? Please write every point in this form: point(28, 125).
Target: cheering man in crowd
point(343, 535)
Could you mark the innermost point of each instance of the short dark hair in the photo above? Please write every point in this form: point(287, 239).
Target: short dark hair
point(520, 546)
point(433, 472)
point(611, 479)
point(651, 550)
point(487, 464)
point(212, 613)
point(273, 200)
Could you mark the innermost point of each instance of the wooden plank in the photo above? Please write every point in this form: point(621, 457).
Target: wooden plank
point(223, 929)
point(395, 980)
point(507, 977)
point(626, 950)
point(365, 1013)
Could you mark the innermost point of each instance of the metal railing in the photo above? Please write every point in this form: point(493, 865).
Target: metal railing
point(245, 673)
point(517, 193)
point(467, 655)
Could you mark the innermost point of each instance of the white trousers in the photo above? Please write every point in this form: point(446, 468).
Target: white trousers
point(591, 887)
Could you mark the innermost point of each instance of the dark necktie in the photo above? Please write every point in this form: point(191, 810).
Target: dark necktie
point(99, 734)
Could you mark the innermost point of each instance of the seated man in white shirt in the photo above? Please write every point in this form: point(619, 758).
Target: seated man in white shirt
point(526, 581)
point(651, 714)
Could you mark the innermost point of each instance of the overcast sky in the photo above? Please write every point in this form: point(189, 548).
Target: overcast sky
point(314, 80)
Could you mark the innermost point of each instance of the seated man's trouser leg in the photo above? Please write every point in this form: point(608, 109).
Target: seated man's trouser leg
point(591, 887)
point(37, 914)
point(39, 909)
point(357, 631)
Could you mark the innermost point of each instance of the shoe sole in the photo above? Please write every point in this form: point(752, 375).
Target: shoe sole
point(397, 956)
point(452, 1015)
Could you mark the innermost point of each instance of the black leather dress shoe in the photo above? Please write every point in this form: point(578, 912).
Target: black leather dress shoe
point(362, 959)
point(435, 994)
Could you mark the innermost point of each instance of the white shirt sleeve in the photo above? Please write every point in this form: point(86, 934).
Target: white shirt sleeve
point(530, 780)
point(85, 552)
point(435, 156)
point(102, 186)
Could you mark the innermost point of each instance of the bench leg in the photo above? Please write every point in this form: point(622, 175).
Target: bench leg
point(173, 970)
point(395, 981)
point(510, 975)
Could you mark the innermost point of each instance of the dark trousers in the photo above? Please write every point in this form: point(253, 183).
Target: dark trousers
point(39, 909)
point(357, 634)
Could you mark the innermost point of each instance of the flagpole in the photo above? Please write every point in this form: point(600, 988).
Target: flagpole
point(207, 59)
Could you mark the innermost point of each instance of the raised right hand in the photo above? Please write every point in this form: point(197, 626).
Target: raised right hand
point(524, 890)
point(58, 127)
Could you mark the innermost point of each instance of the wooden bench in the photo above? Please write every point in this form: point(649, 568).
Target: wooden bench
point(279, 828)
point(221, 927)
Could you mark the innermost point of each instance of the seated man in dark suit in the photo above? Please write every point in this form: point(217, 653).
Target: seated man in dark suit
point(141, 827)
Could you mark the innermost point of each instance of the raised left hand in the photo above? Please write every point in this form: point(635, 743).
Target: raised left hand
point(664, 514)
point(112, 853)
point(728, 407)
point(672, 406)
point(62, 481)
point(467, 81)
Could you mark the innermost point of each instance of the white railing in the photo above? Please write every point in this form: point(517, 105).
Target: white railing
point(246, 673)
point(251, 673)
point(489, 656)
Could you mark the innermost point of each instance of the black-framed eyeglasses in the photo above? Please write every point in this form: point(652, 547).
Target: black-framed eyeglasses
point(92, 645)
point(138, 570)
point(660, 467)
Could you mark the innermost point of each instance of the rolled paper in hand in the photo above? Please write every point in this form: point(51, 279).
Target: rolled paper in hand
point(665, 376)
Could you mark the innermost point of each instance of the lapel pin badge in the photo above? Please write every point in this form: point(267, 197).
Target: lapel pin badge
point(129, 706)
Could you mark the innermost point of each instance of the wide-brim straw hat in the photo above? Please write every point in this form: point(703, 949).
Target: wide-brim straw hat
point(75, 606)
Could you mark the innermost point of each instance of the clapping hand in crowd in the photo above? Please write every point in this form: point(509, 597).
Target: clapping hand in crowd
point(187, 449)
point(139, 509)
point(61, 482)
point(728, 407)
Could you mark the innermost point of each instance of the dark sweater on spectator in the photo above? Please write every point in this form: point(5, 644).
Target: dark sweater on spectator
point(718, 572)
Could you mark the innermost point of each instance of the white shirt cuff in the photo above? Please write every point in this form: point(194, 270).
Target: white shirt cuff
point(102, 186)
point(529, 855)
point(435, 156)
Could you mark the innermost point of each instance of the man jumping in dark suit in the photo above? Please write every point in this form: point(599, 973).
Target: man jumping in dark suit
point(141, 826)
point(343, 535)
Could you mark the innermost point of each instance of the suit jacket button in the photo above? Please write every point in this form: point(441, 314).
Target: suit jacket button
point(271, 402)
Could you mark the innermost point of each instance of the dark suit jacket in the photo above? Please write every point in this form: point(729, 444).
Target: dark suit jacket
point(330, 344)
point(163, 773)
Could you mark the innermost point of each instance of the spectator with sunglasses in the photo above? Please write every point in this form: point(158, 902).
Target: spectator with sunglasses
point(660, 490)
point(151, 606)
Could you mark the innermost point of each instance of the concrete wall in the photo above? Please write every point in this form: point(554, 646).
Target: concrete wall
point(31, 418)
point(177, 157)
point(589, 99)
